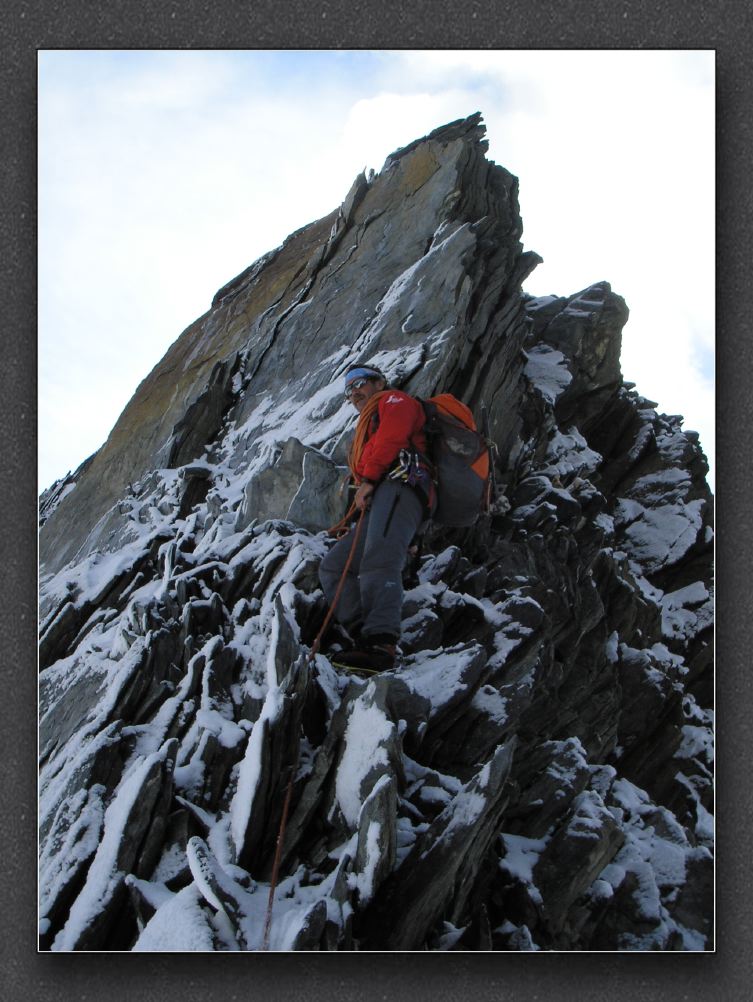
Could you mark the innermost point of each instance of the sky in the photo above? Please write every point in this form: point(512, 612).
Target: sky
point(163, 174)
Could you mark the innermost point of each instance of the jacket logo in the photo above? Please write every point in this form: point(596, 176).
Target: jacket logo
point(392, 399)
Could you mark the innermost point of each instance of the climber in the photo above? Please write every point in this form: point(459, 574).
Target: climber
point(393, 483)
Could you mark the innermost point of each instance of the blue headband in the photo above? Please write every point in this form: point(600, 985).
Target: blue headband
point(361, 374)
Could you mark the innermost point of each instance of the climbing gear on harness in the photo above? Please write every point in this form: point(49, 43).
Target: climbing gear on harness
point(461, 456)
point(410, 470)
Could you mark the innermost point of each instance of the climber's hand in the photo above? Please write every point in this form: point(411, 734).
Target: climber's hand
point(363, 496)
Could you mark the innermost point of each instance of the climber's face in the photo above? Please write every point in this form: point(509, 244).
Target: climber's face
point(360, 391)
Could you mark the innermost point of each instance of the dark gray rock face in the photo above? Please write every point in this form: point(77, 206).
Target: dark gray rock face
point(537, 773)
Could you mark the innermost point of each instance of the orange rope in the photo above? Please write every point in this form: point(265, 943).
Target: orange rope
point(344, 523)
point(276, 864)
point(340, 586)
point(288, 793)
point(362, 432)
point(360, 437)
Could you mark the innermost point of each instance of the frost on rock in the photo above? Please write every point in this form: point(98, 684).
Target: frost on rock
point(545, 368)
point(536, 773)
point(660, 537)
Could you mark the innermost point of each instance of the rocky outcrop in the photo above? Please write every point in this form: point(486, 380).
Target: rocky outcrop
point(420, 265)
point(537, 772)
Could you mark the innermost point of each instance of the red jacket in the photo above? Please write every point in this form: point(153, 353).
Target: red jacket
point(399, 426)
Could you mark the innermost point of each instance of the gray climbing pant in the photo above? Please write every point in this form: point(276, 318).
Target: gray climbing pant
point(372, 596)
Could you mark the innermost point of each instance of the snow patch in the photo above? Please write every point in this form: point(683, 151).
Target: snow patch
point(547, 370)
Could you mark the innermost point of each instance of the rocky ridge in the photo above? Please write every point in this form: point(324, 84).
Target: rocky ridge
point(537, 773)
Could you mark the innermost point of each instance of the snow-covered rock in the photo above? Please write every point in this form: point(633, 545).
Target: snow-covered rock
point(537, 772)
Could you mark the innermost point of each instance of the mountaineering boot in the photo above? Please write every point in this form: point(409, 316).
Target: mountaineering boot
point(338, 638)
point(375, 653)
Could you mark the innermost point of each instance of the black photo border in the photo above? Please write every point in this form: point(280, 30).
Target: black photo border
point(25, 28)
